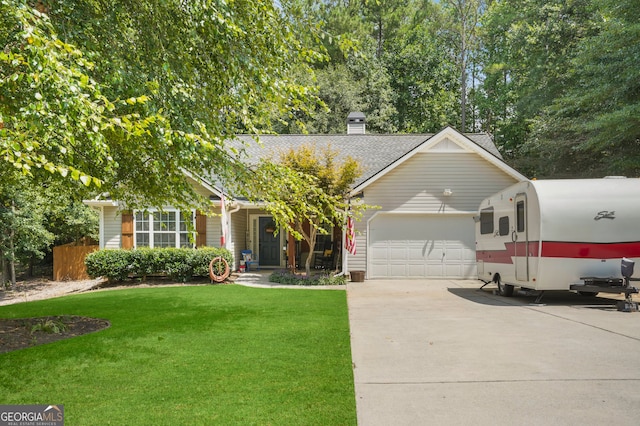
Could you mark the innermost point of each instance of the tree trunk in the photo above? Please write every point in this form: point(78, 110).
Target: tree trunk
point(463, 74)
point(32, 262)
point(312, 243)
point(12, 268)
point(12, 251)
point(4, 276)
point(380, 41)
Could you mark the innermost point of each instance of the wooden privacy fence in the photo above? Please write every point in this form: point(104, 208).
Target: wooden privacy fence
point(68, 262)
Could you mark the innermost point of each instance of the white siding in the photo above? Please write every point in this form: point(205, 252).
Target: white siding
point(201, 190)
point(214, 227)
point(112, 227)
point(238, 235)
point(417, 185)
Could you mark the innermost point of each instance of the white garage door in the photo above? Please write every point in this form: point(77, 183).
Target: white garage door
point(418, 246)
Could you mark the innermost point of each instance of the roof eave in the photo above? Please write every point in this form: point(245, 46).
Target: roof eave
point(100, 203)
point(433, 140)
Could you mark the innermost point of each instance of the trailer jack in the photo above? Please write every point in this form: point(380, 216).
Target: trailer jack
point(530, 293)
point(485, 283)
point(627, 305)
point(539, 298)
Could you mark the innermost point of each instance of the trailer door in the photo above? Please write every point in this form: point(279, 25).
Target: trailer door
point(520, 237)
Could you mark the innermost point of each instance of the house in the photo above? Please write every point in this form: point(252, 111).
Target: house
point(428, 188)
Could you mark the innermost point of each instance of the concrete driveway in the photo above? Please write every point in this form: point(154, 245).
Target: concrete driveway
point(442, 352)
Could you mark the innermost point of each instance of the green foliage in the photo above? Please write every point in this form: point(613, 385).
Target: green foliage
point(84, 85)
point(49, 104)
point(128, 97)
point(423, 78)
point(305, 186)
point(594, 126)
point(528, 47)
point(112, 264)
point(288, 278)
point(180, 264)
point(49, 326)
point(67, 217)
point(24, 233)
point(397, 62)
point(71, 221)
point(34, 218)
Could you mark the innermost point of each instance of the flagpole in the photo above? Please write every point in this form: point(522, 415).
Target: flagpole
point(223, 221)
point(349, 237)
point(345, 253)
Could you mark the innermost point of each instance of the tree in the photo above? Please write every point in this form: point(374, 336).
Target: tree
point(126, 97)
point(385, 18)
point(33, 219)
point(498, 95)
point(305, 186)
point(23, 225)
point(353, 79)
point(594, 127)
point(465, 17)
point(423, 77)
point(67, 217)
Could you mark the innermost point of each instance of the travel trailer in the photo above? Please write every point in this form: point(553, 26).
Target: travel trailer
point(560, 235)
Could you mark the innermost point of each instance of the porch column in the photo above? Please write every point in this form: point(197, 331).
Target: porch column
point(291, 253)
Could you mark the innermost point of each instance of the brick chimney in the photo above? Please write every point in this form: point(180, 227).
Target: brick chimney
point(356, 123)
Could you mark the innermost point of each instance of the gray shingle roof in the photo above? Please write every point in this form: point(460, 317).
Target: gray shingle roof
point(374, 152)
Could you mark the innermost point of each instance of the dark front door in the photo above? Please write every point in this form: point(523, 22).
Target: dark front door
point(269, 245)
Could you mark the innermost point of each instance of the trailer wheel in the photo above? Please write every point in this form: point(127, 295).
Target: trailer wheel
point(588, 293)
point(505, 290)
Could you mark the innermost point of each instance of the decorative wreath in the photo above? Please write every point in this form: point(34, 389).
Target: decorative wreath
point(218, 269)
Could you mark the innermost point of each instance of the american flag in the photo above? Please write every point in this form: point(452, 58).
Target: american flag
point(350, 240)
point(223, 220)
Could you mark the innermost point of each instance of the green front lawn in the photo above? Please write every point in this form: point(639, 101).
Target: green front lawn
point(191, 355)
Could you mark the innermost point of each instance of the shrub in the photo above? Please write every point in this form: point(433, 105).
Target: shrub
point(175, 263)
point(179, 264)
point(116, 265)
point(287, 278)
point(142, 261)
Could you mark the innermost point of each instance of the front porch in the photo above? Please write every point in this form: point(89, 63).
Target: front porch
point(256, 230)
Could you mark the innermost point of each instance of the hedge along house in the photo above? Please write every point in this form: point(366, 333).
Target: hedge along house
point(428, 188)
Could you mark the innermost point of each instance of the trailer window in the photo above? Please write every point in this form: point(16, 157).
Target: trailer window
point(486, 221)
point(520, 216)
point(503, 225)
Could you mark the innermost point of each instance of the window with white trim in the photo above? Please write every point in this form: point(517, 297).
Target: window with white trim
point(157, 229)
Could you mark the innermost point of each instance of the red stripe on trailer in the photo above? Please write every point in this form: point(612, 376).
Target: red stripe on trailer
point(506, 256)
point(494, 256)
point(590, 250)
point(560, 249)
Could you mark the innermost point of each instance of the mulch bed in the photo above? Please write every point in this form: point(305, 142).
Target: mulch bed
point(23, 333)
point(27, 332)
